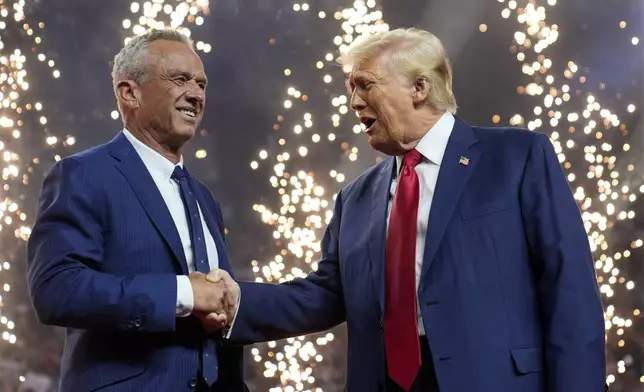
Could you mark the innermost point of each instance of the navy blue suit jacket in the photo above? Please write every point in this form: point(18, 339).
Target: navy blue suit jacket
point(103, 258)
point(507, 294)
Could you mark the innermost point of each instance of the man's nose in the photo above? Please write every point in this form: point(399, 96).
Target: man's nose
point(196, 93)
point(357, 103)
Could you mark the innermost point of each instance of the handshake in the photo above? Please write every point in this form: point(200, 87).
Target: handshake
point(216, 297)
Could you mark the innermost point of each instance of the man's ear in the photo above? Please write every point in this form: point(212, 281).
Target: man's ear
point(421, 90)
point(128, 93)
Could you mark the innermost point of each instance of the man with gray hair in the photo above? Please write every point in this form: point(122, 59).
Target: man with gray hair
point(460, 263)
point(125, 235)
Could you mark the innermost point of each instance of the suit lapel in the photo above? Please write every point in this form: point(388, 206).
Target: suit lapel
point(133, 169)
point(213, 219)
point(452, 177)
point(378, 228)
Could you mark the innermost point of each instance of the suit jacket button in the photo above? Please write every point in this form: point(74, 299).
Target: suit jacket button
point(382, 326)
point(192, 383)
point(137, 323)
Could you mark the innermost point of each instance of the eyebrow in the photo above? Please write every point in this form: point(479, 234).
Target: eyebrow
point(363, 77)
point(353, 79)
point(175, 72)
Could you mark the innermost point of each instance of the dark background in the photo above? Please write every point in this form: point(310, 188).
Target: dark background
point(246, 90)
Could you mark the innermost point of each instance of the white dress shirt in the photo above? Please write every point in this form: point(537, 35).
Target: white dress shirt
point(161, 170)
point(432, 146)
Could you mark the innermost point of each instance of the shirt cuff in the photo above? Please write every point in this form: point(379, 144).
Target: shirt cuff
point(185, 298)
point(227, 331)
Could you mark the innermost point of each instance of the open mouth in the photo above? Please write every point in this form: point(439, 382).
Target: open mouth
point(188, 112)
point(367, 123)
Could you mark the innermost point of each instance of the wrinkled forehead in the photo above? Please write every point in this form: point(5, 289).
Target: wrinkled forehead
point(377, 66)
point(175, 55)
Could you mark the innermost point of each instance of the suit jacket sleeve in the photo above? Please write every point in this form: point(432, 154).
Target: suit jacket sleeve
point(65, 254)
point(570, 302)
point(301, 306)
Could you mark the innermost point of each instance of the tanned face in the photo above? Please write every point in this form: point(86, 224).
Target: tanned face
point(388, 104)
point(169, 105)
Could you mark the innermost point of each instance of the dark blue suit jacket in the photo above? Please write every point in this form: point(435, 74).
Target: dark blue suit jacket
point(508, 294)
point(103, 258)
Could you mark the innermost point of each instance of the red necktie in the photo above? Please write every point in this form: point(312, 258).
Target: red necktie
point(401, 323)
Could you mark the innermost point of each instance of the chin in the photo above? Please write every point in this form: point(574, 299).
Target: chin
point(182, 136)
point(383, 146)
point(186, 129)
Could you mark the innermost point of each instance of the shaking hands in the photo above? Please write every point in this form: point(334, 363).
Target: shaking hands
point(216, 297)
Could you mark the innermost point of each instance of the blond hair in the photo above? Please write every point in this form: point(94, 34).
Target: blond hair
point(416, 54)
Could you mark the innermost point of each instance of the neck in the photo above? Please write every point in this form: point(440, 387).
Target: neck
point(420, 126)
point(153, 140)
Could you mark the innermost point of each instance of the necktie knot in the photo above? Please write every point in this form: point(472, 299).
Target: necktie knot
point(412, 158)
point(178, 174)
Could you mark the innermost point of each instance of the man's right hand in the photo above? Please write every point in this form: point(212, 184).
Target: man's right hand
point(209, 298)
point(232, 292)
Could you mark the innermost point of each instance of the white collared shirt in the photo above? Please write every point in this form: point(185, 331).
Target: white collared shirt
point(432, 146)
point(161, 169)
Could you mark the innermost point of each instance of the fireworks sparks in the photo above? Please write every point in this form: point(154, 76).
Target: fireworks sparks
point(158, 14)
point(15, 54)
point(306, 205)
point(589, 141)
point(587, 137)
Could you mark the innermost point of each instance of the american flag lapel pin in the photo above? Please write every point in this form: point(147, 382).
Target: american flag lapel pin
point(464, 161)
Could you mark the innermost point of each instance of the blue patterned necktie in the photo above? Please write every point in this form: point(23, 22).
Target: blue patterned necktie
point(200, 259)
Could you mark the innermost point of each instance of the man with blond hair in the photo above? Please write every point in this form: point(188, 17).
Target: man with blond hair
point(460, 263)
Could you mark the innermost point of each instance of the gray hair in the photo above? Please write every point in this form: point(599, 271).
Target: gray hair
point(131, 63)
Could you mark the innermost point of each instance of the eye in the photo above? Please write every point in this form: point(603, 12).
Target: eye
point(364, 84)
point(180, 79)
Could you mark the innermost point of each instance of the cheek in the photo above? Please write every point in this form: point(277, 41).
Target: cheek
point(386, 113)
point(396, 109)
point(161, 113)
point(153, 101)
